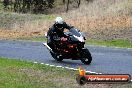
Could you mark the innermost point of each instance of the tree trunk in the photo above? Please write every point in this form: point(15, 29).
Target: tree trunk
point(67, 5)
point(64, 1)
point(78, 3)
point(5, 3)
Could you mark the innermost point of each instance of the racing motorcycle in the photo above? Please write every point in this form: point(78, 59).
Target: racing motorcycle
point(70, 47)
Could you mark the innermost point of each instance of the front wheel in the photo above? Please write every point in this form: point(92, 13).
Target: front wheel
point(86, 57)
point(56, 56)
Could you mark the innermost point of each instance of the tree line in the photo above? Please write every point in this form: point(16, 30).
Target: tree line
point(36, 6)
point(24, 6)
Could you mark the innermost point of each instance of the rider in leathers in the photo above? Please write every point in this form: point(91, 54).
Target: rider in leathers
point(57, 31)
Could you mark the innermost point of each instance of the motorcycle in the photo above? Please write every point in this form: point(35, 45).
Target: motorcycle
point(70, 47)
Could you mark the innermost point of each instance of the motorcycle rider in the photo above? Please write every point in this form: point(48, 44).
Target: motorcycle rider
point(57, 31)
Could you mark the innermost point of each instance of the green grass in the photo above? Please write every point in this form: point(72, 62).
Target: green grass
point(26, 17)
point(115, 42)
point(1, 6)
point(8, 19)
point(15, 73)
point(22, 74)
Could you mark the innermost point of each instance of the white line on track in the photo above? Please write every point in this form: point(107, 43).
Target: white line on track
point(35, 62)
point(58, 66)
point(42, 63)
point(69, 68)
point(52, 65)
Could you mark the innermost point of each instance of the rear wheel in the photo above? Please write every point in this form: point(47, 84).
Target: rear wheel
point(86, 57)
point(56, 56)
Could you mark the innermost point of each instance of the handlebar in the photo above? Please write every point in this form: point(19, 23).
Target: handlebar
point(61, 39)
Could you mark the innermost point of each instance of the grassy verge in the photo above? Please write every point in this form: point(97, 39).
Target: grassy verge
point(1, 6)
point(9, 19)
point(115, 42)
point(22, 74)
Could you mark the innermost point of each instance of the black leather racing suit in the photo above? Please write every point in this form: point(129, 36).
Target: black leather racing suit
point(54, 34)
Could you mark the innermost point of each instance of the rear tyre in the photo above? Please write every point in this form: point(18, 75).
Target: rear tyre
point(86, 57)
point(56, 56)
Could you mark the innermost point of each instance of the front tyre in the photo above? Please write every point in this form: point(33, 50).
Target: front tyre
point(86, 57)
point(56, 56)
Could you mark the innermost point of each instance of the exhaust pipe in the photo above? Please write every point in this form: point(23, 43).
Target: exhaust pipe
point(45, 44)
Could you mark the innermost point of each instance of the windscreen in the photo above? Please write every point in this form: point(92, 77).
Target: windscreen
point(75, 32)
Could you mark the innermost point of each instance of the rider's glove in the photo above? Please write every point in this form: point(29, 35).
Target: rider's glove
point(63, 39)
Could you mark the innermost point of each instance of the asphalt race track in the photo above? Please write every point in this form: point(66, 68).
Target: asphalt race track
point(105, 59)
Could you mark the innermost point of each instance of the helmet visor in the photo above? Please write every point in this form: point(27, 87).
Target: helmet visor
point(59, 25)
